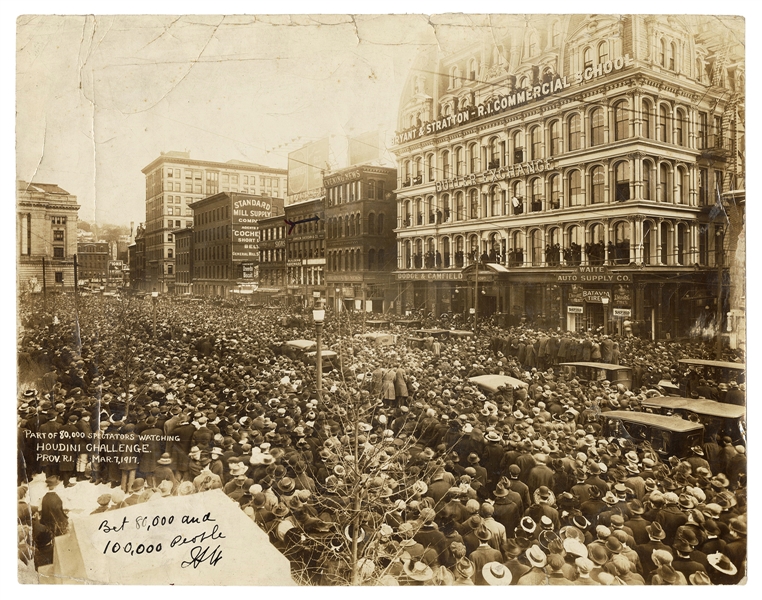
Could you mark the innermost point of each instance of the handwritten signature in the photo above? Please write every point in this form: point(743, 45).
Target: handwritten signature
point(198, 555)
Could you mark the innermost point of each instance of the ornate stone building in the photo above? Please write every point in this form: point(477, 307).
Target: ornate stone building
point(584, 159)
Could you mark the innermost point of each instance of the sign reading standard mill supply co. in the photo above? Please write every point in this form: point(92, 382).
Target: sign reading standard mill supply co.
point(247, 211)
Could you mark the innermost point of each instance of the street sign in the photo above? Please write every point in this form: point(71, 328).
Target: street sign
point(621, 312)
point(575, 310)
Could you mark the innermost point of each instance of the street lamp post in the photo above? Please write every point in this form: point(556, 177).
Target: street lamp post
point(154, 302)
point(318, 314)
point(605, 302)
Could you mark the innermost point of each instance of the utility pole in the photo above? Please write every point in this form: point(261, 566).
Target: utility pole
point(718, 318)
point(476, 289)
point(44, 284)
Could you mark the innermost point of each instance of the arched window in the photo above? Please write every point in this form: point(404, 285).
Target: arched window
point(575, 241)
point(494, 153)
point(473, 248)
point(672, 56)
point(408, 174)
point(662, 191)
point(408, 219)
point(473, 69)
point(517, 199)
point(536, 143)
point(446, 258)
point(587, 58)
point(645, 116)
point(459, 252)
point(446, 168)
point(622, 121)
point(664, 250)
point(555, 33)
point(647, 180)
point(408, 255)
point(419, 170)
point(553, 247)
point(597, 179)
point(352, 230)
point(532, 46)
point(473, 155)
point(460, 209)
point(603, 52)
point(446, 208)
point(460, 163)
point(371, 259)
point(418, 257)
point(621, 244)
point(662, 125)
point(622, 181)
point(371, 223)
point(419, 211)
point(554, 131)
point(473, 204)
point(680, 127)
point(574, 194)
point(681, 186)
point(535, 191)
point(431, 208)
point(516, 255)
point(454, 77)
point(647, 242)
point(554, 187)
point(535, 245)
point(431, 173)
point(663, 52)
point(596, 249)
point(380, 224)
point(575, 132)
point(381, 260)
point(596, 127)
point(683, 243)
point(518, 148)
point(494, 201)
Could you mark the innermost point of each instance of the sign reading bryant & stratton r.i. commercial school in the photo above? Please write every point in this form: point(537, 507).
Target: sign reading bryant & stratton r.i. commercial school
point(514, 100)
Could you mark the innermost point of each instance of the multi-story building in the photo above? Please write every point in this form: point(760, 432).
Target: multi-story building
point(225, 242)
point(183, 260)
point(173, 182)
point(583, 159)
point(272, 257)
point(46, 236)
point(305, 250)
point(137, 261)
point(92, 261)
point(360, 241)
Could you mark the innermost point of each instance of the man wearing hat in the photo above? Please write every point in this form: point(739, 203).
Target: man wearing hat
point(655, 542)
point(518, 486)
point(584, 568)
point(103, 502)
point(463, 572)
point(723, 571)
point(52, 513)
point(540, 474)
point(483, 554)
point(431, 537)
point(736, 541)
point(670, 517)
point(636, 523)
point(536, 574)
point(507, 506)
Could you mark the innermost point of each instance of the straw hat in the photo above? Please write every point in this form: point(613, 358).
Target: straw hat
point(496, 573)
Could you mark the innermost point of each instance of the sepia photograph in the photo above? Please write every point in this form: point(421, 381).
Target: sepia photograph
point(381, 299)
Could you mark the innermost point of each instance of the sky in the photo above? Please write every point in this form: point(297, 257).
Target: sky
point(99, 97)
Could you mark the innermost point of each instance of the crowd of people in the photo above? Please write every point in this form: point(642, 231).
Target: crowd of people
point(398, 471)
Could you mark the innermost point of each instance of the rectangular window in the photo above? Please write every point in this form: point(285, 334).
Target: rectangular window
point(703, 191)
point(58, 235)
point(59, 277)
point(58, 252)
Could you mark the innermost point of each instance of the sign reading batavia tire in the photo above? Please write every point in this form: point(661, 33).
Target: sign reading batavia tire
point(593, 275)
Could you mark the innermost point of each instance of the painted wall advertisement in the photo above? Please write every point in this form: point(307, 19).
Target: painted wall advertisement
point(247, 212)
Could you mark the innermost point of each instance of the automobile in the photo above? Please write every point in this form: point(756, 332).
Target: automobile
point(719, 371)
point(296, 348)
point(378, 338)
point(330, 359)
point(668, 436)
point(492, 383)
point(595, 371)
point(717, 418)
